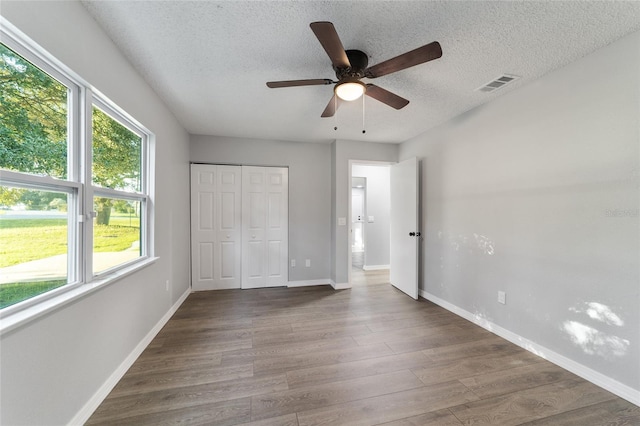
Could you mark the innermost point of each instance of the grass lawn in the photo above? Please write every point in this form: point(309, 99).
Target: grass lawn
point(24, 240)
point(16, 292)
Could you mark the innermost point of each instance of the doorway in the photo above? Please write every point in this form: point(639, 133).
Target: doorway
point(369, 211)
point(391, 229)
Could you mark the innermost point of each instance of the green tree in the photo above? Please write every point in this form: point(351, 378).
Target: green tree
point(38, 200)
point(116, 160)
point(10, 196)
point(33, 133)
point(116, 154)
point(33, 118)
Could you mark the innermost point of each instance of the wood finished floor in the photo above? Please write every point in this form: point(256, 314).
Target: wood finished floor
point(365, 356)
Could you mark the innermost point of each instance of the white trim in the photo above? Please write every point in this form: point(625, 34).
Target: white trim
point(305, 283)
point(339, 286)
point(623, 391)
point(374, 267)
point(25, 180)
point(99, 191)
point(94, 402)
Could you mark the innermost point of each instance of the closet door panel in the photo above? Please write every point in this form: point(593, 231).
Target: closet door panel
point(277, 191)
point(215, 227)
point(264, 208)
point(253, 225)
point(229, 227)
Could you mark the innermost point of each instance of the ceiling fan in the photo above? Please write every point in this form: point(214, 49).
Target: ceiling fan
point(350, 67)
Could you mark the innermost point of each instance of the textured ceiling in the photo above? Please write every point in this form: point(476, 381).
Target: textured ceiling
point(210, 60)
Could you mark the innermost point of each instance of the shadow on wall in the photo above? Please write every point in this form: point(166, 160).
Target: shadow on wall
point(592, 340)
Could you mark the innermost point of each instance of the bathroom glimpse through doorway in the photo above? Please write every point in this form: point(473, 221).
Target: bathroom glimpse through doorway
point(369, 221)
point(358, 211)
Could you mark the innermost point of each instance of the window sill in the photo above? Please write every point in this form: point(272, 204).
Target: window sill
point(18, 319)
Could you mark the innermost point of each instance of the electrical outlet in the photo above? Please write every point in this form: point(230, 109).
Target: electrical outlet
point(502, 297)
point(307, 263)
point(293, 263)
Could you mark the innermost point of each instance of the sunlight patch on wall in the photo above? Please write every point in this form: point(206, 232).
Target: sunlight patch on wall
point(599, 312)
point(479, 243)
point(483, 320)
point(484, 244)
point(595, 342)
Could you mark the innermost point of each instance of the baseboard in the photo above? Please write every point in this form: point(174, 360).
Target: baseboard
point(340, 286)
point(305, 283)
point(623, 391)
point(94, 402)
point(375, 267)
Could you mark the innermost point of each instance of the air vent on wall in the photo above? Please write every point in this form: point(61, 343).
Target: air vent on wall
point(497, 83)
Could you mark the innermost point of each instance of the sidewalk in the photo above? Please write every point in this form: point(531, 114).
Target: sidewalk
point(55, 267)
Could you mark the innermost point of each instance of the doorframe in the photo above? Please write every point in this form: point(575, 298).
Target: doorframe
point(349, 195)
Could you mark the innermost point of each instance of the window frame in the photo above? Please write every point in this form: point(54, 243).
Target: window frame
point(78, 184)
point(74, 230)
point(91, 190)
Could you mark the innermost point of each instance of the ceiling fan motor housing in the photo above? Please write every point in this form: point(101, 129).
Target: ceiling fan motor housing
point(358, 61)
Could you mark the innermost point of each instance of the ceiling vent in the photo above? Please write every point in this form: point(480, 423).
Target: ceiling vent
point(499, 82)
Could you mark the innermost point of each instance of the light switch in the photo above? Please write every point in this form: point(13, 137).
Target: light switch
point(342, 221)
point(370, 219)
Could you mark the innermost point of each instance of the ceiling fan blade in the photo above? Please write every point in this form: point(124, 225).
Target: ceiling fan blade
point(423, 54)
point(386, 97)
point(332, 107)
point(328, 37)
point(293, 83)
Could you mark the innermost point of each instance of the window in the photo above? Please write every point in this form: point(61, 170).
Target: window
point(118, 197)
point(35, 243)
point(74, 193)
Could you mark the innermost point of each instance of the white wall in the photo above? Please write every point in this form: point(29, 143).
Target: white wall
point(537, 194)
point(52, 366)
point(378, 198)
point(342, 152)
point(309, 192)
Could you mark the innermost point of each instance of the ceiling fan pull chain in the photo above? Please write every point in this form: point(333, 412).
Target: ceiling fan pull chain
point(335, 114)
point(363, 130)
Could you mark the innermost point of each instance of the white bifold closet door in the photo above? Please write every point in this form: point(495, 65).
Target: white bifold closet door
point(239, 221)
point(264, 226)
point(216, 227)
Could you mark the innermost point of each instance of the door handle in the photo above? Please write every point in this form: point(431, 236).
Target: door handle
point(412, 234)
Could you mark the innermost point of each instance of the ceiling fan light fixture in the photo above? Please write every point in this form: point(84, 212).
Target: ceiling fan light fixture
point(350, 91)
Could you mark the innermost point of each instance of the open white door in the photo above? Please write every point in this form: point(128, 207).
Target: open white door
point(404, 227)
